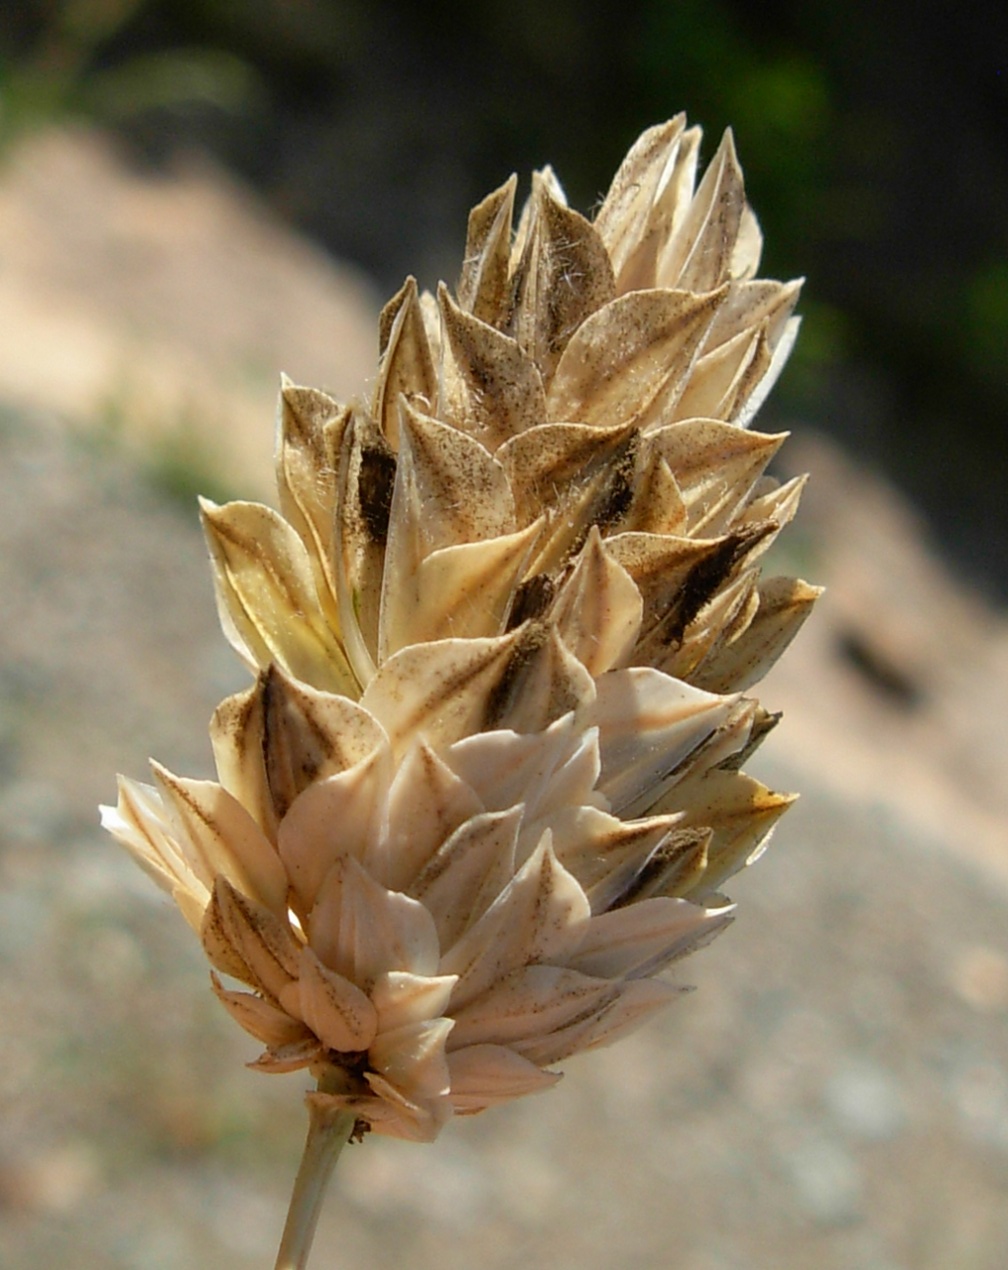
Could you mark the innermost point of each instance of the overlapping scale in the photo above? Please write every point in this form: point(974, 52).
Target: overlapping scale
point(487, 783)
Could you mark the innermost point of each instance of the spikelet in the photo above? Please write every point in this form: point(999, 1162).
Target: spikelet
point(487, 783)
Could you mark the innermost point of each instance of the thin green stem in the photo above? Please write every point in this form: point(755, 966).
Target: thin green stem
point(328, 1132)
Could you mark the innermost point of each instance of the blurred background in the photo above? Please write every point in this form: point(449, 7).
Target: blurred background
point(196, 195)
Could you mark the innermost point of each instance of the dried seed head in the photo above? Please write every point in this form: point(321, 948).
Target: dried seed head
point(486, 785)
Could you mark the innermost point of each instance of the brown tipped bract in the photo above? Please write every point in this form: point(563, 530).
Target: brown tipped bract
point(486, 785)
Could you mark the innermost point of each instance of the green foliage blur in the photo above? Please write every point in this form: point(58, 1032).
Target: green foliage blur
point(874, 145)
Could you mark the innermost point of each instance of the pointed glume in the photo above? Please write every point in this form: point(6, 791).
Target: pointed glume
point(486, 785)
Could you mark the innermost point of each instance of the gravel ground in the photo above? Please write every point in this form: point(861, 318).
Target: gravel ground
point(834, 1095)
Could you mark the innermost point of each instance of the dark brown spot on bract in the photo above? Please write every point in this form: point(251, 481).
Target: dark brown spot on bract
point(531, 600)
point(375, 485)
point(507, 688)
point(673, 856)
point(617, 494)
point(709, 575)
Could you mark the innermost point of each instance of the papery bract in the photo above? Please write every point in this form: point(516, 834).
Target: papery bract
point(486, 785)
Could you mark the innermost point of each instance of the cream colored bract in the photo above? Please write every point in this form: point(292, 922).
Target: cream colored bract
point(486, 785)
